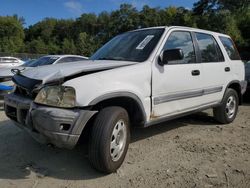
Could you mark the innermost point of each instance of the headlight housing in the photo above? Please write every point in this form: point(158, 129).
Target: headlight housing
point(58, 96)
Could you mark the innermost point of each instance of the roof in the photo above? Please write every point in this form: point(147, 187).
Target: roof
point(8, 57)
point(184, 27)
point(67, 55)
point(198, 30)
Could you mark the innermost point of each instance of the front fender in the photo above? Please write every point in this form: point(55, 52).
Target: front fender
point(113, 95)
point(131, 81)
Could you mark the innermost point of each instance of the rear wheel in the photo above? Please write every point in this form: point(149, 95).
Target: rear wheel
point(228, 109)
point(109, 139)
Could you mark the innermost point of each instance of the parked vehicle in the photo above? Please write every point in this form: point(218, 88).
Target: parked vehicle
point(247, 70)
point(6, 74)
point(139, 78)
point(10, 62)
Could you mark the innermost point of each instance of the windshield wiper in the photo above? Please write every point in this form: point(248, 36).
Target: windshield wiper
point(112, 58)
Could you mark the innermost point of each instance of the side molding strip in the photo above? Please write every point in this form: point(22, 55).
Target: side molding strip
point(186, 95)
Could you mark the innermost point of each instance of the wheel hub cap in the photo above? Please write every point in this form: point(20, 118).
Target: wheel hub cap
point(118, 140)
point(231, 106)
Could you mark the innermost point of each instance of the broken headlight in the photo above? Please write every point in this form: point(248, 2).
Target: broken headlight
point(58, 96)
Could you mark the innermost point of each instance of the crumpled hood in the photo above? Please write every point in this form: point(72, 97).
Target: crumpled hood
point(51, 73)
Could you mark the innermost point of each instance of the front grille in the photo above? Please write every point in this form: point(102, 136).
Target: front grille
point(25, 92)
point(17, 108)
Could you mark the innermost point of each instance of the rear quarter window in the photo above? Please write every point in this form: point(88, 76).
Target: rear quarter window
point(230, 48)
point(209, 49)
point(9, 60)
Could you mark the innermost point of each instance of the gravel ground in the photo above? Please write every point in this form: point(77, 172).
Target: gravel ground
point(193, 151)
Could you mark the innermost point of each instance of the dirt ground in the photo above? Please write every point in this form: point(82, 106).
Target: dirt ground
point(193, 151)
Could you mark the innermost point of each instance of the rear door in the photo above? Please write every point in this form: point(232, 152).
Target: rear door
point(215, 69)
point(176, 87)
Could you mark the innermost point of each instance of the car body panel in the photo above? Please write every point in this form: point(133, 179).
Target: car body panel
point(134, 78)
point(49, 73)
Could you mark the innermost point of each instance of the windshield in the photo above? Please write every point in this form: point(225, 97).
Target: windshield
point(131, 46)
point(41, 61)
point(27, 63)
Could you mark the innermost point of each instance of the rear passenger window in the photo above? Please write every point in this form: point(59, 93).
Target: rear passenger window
point(65, 60)
point(9, 60)
point(70, 59)
point(181, 40)
point(210, 50)
point(13, 60)
point(230, 48)
point(78, 59)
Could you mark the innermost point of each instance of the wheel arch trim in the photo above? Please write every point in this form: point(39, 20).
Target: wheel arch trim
point(240, 83)
point(124, 94)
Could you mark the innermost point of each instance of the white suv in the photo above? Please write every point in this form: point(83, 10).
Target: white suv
point(139, 78)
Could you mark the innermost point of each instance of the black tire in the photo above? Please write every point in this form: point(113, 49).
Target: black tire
point(100, 139)
point(220, 112)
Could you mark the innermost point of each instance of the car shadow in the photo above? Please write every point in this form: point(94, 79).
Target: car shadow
point(246, 104)
point(246, 98)
point(21, 157)
point(1, 106)
point(200, 118)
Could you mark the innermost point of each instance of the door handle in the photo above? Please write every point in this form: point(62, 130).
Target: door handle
point(227, 69)
point(195, 72)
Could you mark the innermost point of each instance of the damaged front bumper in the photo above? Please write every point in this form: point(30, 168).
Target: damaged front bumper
point(4, 90)
point(47, 125)
point(3, 93)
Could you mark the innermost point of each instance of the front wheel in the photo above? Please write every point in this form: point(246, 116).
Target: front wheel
point(228, 109)
point(109, 139)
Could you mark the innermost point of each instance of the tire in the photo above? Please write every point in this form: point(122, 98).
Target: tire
point(110, 134)
point(227, 111)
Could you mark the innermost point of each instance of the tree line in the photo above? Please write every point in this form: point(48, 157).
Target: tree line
point(87, 33)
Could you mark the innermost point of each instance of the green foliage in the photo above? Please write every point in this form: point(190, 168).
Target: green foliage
point(11, 34)
point(68, 46)
point(37, 46)
point(85, 44)
point(88, 32)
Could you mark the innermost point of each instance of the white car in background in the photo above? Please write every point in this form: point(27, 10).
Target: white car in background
point(7, 73)
point(10, 62)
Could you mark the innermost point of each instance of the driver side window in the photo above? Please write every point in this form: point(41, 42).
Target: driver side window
point(181, 40)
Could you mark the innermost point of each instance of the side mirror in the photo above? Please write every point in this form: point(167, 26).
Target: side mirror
point(170, 55)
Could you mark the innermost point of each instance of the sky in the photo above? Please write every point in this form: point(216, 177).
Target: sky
point(36, 10)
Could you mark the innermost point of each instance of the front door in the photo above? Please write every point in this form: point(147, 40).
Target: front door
point(177, 86)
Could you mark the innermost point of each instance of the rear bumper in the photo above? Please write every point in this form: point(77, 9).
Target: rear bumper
point(47, 125)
